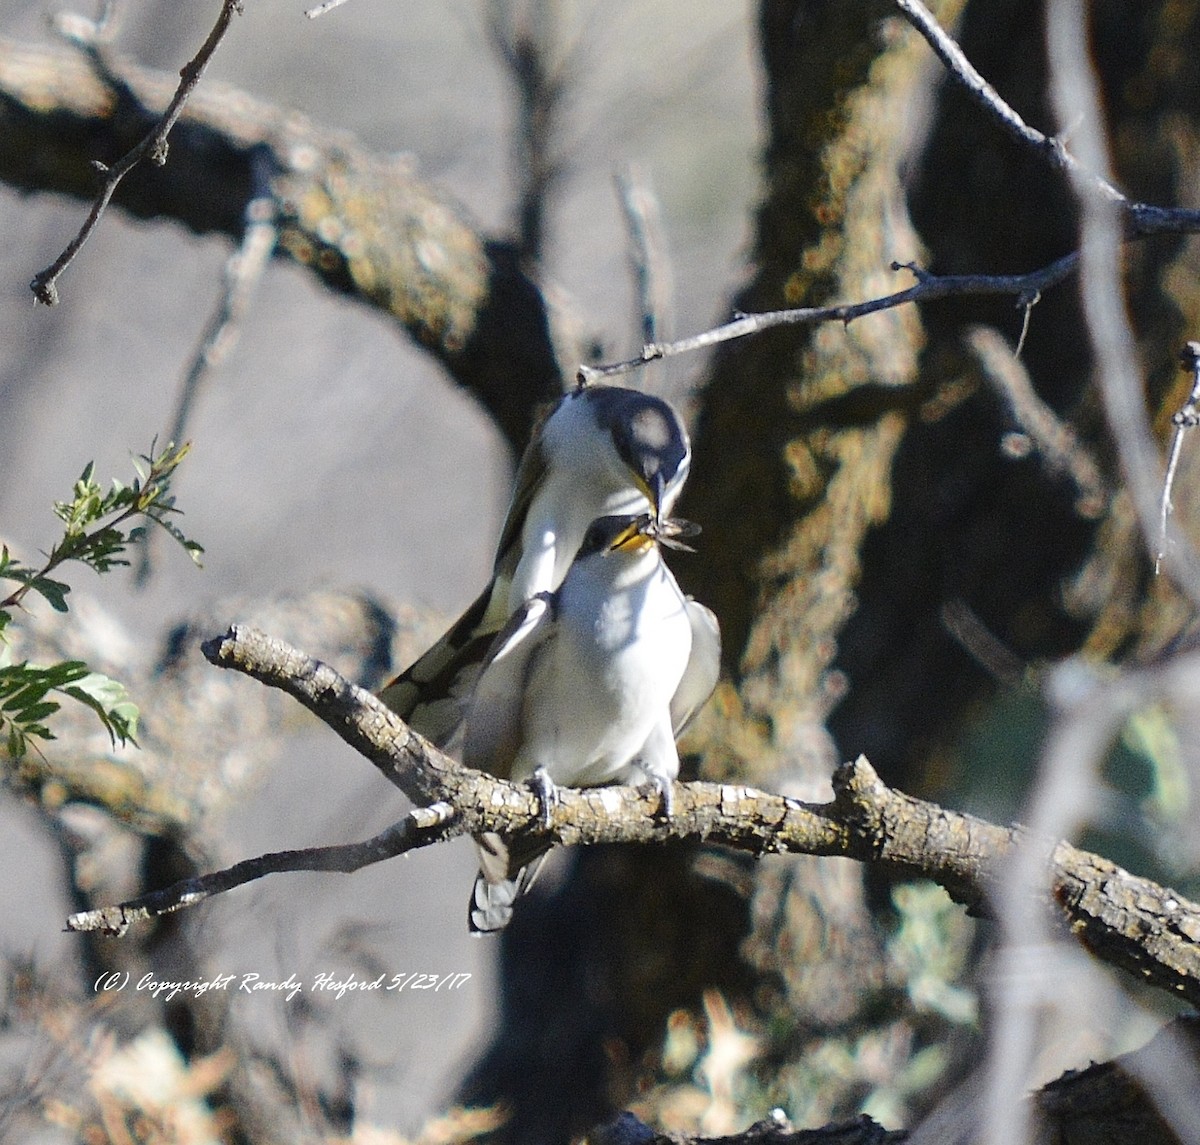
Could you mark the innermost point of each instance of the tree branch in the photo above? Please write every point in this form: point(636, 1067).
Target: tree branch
point(1026, 288)
point(1059, 446)
point(961, 69)
point(365, 225)
point(152, 146)
point(1141, 221)
point(1128, 921)
point(419, 828)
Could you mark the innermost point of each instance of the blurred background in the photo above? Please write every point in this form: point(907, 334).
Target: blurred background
point(901, 564)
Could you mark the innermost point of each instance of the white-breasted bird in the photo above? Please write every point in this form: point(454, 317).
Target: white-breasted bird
point(588, 685)
point(601, 450)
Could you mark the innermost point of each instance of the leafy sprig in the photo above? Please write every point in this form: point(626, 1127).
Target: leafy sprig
point(96, 534)
point(25, 701)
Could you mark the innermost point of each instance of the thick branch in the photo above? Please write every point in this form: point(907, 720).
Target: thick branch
point(1126, 920)
point(364, 225)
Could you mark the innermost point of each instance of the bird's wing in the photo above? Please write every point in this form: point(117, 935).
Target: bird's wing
point(491, 742)
point(430, 694)
point(531, 471)
point(703, 667)
point(494, 718)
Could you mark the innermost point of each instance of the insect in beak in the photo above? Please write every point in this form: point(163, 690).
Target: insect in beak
point(670, 532)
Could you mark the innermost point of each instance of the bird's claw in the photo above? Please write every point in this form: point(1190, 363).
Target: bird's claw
point(547, 795)
point(666, 794)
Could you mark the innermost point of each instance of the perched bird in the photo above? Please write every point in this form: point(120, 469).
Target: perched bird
point(588, 685)
point(601, 450)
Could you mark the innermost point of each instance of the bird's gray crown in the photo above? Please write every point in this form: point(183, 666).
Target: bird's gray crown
point(646, 431)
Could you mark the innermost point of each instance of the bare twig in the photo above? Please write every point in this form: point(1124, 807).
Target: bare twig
point(1130, 922)
point(243, 272)
point(1025, 287)
point(1185, 418)
point(153, 146)
point(1109, 217)
point(647, 252)
point(1076, 96)
point(525, 37)
point(321, 9)
point(419, 828)
point(986, 96)
point(1140, 220)
point(981, 644)
point(1056, 442)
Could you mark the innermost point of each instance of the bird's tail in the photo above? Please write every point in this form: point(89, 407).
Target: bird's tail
point(504, 876)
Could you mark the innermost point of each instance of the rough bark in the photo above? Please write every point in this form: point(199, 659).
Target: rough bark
point(968, 525)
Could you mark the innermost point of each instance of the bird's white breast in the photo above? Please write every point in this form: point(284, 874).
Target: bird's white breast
point(621, 644)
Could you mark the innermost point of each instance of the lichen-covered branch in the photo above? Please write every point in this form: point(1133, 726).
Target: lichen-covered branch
point(365, 225)
point(1128, 921)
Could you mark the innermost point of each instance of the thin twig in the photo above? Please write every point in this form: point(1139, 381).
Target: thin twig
point(153, 146)
point(1055, 441)
point(647, 252)
point(1076, 95)
point(1026, 287)
point(981, 644)
point(1185, 418)
point(1140, 219)
point(527, 40)
point(420, 828)
point(989, 100)
point(321, 9)
point(243, 272)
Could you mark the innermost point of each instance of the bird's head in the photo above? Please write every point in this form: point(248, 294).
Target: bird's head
point(624, 533)
point(649, 439)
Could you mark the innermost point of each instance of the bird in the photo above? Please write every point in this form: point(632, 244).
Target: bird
point(601, 450)
point(588, 685)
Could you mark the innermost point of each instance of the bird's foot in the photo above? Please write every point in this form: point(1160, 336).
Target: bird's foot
point(547, 793)
point(666, 795)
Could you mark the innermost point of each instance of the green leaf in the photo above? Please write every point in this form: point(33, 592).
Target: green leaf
point(109, 700)
point(96, 534)
point(192, 549)
point(25, 703)
point(30, 714)
point(54, 591)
